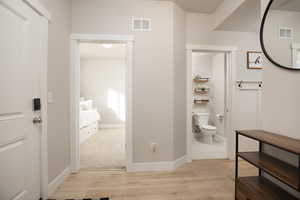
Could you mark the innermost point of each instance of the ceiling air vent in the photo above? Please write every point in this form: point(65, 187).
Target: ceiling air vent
point(285, 33)
point(141, 24)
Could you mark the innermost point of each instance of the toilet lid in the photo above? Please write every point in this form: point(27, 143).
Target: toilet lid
point(209, 127)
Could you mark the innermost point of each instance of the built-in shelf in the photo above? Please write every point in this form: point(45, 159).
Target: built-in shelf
point(259, 188)
point(276, 168)
point(201, 80)
point(201, 91)
point(203, 101)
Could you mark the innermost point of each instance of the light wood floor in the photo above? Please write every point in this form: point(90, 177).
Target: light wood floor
point(199, 180)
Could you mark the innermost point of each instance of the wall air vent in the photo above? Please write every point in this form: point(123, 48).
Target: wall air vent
point(141, 24)
point(285, 33)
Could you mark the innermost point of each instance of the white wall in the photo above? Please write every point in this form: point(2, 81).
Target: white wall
point(155, 69)
point(218, 91)
point(201, 64)
point(58, 83)
point(280, 105)
point(152, 66)
point(199, 31)
point(103, 81)
point(179, 82)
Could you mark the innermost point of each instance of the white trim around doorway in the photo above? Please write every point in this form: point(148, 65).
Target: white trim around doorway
point(44, 186)
point(75, 92)
point(231, 55)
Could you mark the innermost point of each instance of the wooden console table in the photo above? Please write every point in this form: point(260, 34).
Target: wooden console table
point(258, 187)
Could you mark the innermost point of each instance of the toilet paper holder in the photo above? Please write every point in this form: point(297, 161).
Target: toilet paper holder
point(220, 116)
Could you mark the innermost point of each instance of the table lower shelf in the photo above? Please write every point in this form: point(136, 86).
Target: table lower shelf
point(259, 188)
point(280, 170)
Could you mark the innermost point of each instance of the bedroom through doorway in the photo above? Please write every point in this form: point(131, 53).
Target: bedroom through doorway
point(102, 112)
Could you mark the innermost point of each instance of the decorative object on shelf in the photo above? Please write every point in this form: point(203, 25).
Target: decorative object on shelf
point(254, 60)
point(259, 187)
point(201, 89)
point(199, 79)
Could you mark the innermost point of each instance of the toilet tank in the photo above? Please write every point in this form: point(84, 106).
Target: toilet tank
point(201, 118)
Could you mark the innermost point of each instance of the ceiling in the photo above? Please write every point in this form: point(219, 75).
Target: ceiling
point(97, 50)
point(245, 19)
point(202, 6)
point(286, 5)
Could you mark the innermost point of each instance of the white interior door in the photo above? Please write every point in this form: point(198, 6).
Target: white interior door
point(21, 52)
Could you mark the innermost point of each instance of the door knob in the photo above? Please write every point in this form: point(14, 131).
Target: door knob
point(37, 120)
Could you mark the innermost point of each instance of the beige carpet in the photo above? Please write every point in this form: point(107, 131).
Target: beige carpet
point(104, 150)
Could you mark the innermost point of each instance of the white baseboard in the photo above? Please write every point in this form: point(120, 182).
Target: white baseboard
point(180, 161)
point(58, 181)
point(112, 126)
point(210, 155)
point(151, 166)
point(157, 166)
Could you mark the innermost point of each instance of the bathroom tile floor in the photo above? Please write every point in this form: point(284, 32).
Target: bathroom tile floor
point(199, 180)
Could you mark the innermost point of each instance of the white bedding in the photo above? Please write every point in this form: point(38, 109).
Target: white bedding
point(87, 117)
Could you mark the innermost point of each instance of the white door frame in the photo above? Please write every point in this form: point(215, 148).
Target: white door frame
point(231, 52)
point(44, 116)
point(75, 92)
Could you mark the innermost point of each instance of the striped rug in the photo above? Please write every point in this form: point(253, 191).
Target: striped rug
point(106, 198)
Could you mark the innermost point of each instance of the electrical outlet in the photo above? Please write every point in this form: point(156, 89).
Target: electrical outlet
point(153, 147)
point(50, 97)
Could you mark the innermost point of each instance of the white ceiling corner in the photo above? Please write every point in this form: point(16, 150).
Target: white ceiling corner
point(198, 6)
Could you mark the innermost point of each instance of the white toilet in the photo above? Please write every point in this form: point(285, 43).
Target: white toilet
point(208, 131)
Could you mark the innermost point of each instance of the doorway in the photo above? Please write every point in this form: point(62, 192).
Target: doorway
point(102, 105)
point(210, 92)
point(101, 68)
point(208, 107)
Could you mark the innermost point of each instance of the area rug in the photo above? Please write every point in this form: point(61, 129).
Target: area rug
point(90, 199)
point(106, 198)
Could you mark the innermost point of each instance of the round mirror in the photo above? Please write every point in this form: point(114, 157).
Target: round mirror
point(280, 33)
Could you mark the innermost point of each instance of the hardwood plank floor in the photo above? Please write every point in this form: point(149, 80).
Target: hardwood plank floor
point(199, 180)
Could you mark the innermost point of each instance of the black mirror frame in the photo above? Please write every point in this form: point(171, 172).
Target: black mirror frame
point(262, 39)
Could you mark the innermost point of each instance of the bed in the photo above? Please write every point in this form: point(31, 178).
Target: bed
point(89, 119)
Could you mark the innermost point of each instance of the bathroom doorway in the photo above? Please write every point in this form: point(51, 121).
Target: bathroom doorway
point(101, 94)
point(209, 97)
